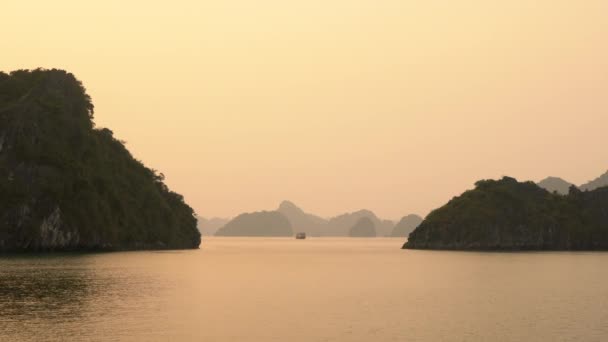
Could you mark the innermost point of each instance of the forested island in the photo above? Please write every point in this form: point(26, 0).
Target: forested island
point(509, 215)
point(66, 185)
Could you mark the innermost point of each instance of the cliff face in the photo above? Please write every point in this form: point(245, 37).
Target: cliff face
point(65, 185)
point(263, 223)
point(508, 215)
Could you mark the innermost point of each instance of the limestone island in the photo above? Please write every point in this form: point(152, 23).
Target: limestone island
point(363, 228)
point(510, 215)
point(406, 225)
point(262, 223)
point(66, 185)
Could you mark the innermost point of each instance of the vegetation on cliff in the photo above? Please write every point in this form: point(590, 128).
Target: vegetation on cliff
point(66, 185)
point(507, 214)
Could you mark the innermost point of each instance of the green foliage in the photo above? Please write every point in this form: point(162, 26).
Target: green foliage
point(54, 157)
point(506, 214)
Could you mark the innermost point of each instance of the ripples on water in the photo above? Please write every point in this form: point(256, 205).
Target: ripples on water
point(72, 297)
point(256, 289)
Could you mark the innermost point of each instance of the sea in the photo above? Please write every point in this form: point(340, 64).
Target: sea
point(317, 289)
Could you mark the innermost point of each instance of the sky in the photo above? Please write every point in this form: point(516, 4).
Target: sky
point(337, 105)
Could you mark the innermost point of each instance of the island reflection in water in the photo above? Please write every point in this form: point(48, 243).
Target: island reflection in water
point(318, 289)
point(69, 296)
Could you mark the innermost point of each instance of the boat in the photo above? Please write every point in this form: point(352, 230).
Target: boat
point(301, 236)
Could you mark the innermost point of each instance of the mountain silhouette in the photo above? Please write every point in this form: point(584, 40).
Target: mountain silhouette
point(301, 221)
point(341, 225)
point(406, 225)
point(262, 223)
point(599, 182)
point(555, 184)
point(363, 228)
point(208, 227)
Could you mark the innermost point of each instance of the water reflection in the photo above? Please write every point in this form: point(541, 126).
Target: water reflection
point(51, 287)
point(348, 290)
point(69, 296)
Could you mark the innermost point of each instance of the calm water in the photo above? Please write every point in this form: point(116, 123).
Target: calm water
point(256, 289)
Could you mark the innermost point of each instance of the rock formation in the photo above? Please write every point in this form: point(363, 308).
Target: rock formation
point(341, 225)
point(406, 225)
point(301, 221)
point(208, 227)
point(66, 185)
point(599, 182)
point(555, 184)
point(508, 215)
point(263, 223)
point(363, 228)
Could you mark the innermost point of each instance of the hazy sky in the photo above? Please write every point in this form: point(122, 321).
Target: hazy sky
point(337, 105)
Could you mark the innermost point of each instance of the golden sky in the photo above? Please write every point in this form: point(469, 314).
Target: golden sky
point(337, 105)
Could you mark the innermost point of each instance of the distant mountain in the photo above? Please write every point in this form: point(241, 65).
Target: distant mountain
point(263, 223)
point(208, 227)
point(313, 225)
point(555, 184)
point(385, 227)
point(341, 225)
point(363, 228)
point(599, 182)
point(301, 221)
point(406, 225)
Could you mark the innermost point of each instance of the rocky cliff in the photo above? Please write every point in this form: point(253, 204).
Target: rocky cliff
point(65, 185)
point(508, 215)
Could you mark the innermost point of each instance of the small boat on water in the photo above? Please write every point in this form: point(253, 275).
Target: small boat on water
point(301, 236)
